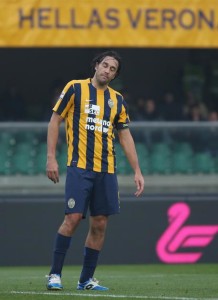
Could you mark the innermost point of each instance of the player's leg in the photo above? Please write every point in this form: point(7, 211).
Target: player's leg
point(103, 203)
point(61, 245)
point(96, 233)
point(70, 223)
point(76, 203)
point(93, 245)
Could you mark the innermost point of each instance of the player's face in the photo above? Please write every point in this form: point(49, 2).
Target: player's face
point(106, 70)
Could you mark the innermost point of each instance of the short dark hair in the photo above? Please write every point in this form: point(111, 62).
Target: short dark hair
point(98, 59)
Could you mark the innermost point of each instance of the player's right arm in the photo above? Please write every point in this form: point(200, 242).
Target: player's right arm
point(52, 139)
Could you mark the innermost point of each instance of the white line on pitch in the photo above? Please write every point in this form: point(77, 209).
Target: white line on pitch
point(109, 295)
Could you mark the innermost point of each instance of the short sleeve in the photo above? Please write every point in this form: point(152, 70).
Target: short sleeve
point(65, 100)
point(122, 119)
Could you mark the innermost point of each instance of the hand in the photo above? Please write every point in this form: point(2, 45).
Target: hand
point(52, 170)
point(140, 183)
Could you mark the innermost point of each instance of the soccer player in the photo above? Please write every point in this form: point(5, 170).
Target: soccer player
point(92, 110)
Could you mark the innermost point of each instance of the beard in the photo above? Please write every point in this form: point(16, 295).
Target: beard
point(102, 79)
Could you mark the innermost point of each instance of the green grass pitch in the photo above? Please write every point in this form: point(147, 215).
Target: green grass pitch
point(173, 282)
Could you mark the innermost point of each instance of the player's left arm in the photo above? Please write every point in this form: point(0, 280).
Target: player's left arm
point(128, 145)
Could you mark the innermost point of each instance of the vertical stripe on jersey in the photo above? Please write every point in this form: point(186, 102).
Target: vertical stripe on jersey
point(119, 109)
point(119, 103)
point(90, 133)
point(76, 119)
point(97, 163)
point(110, 137)
point(85, 96)
point(106, 116)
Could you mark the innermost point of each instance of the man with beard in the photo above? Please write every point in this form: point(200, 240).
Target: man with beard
point(92, 110)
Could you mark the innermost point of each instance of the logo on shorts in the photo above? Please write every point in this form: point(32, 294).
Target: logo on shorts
point(71, 203)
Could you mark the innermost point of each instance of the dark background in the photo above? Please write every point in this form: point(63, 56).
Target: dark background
point(35, 72)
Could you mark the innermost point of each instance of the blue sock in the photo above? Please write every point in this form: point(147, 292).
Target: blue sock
point(89, 264)
point(62, 243)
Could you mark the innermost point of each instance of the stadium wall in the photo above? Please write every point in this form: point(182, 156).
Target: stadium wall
point(158, 228)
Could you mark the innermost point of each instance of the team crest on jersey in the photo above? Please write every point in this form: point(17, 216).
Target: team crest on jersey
point(110, 103)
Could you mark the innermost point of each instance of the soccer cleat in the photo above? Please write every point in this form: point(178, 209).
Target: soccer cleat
point(91, 284)
point(54, 282)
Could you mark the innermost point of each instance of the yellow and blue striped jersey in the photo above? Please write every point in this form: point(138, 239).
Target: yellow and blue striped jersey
point(90, 118)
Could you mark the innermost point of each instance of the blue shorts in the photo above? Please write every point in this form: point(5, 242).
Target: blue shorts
point(88, 189)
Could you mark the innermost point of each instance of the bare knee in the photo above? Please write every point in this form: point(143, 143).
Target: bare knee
point(70, 223)
point(96, 234)
point(98, 225)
